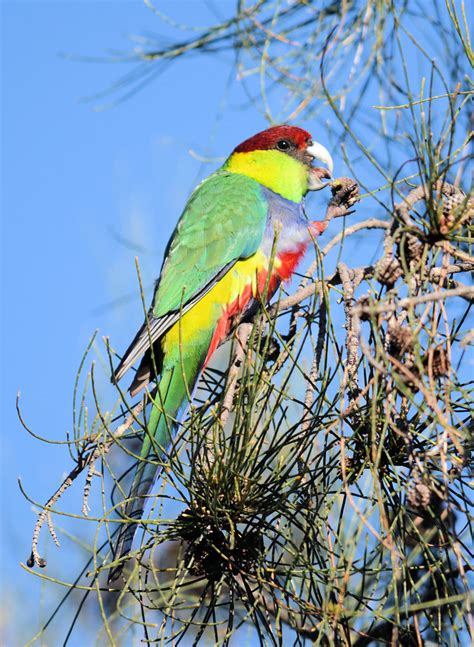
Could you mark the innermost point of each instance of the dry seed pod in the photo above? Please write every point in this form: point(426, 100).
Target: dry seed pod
point(440, 361)
point(364, 302)
point(401, 339)
point(457, 209)
point(419, 495)
point(388, 270)
point(413, 248)
point(419, 490)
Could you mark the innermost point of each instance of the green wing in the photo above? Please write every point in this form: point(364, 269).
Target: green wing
point(224, 221)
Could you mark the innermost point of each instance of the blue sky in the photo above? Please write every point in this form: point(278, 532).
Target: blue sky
point(83, 192)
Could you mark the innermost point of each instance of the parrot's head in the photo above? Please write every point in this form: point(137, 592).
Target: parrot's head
point(281, 158)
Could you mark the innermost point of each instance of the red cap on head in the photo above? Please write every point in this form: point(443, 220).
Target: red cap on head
point(267, 139)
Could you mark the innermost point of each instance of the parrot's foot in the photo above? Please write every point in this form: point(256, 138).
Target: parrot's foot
point(317, 227)
point(345, 194)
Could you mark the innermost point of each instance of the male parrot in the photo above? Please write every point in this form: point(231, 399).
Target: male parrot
point(216, 268)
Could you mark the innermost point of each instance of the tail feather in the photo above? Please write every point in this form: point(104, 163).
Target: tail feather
point(157, 439)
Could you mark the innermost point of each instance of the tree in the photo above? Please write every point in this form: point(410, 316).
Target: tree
point(318, 488)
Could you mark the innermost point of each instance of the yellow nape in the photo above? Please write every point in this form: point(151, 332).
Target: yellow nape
point(200, 321)
point(275, 170)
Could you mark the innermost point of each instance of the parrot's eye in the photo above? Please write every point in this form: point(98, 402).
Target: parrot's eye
point(283, 145)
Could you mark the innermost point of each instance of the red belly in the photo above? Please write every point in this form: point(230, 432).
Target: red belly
point(287, 262)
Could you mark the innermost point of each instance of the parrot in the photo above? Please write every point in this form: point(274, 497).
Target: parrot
point(241, 234)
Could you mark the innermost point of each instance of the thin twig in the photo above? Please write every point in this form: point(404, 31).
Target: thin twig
point(84, 460)
point(465, 291)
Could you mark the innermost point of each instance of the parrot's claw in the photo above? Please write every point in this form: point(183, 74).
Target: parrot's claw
point(345, 190)
point(345, 194)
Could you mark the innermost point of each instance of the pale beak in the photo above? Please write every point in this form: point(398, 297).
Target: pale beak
point(317, 175)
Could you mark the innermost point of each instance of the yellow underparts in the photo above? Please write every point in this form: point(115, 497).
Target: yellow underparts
point(198, 324)
point(277, 171)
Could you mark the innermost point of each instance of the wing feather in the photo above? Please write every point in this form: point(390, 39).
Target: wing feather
point(156, 327)
point(223, 221)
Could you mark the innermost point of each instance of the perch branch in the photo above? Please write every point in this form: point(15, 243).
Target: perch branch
point(465, 291)
point(242, 336)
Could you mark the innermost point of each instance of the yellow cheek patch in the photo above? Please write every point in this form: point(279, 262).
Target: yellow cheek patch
point(277, 171)
point(202, 319)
